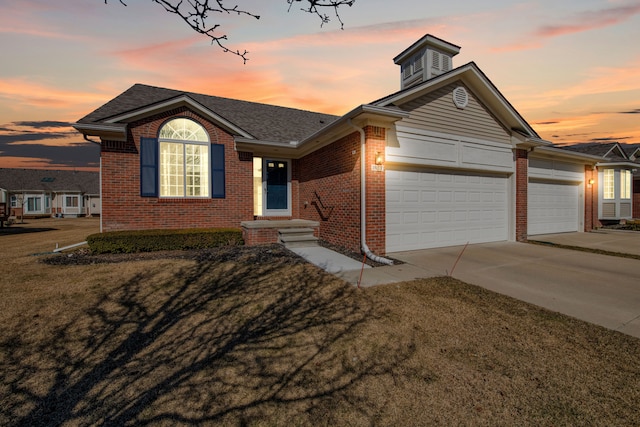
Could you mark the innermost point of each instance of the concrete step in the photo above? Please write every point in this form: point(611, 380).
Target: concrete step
point(297, 237)
point(294, 231)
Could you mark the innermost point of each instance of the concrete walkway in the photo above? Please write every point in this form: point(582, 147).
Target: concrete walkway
point(600, 289)
point(329, 260)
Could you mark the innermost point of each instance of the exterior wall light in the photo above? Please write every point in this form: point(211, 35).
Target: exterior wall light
point(592, 181)
point(379, 158)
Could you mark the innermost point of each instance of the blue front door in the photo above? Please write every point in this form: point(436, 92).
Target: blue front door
point(277, 185)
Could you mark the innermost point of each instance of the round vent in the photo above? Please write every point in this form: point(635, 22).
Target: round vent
point(460, 97)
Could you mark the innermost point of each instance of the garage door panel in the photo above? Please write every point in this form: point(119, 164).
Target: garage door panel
point(553, 207)
point(453, 209)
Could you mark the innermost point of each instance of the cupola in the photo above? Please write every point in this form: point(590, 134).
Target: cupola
point(425, 59)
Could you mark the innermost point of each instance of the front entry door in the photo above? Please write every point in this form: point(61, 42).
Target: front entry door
point(276, 184)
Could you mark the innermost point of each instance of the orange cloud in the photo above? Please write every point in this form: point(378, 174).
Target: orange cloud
point(571, 129)
point(24, 95)
point(39, 163)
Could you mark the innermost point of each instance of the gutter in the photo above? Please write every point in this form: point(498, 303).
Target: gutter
point(363, 201)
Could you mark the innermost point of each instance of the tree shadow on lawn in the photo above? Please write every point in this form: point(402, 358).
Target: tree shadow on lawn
point(9, 231)
point(234, 338)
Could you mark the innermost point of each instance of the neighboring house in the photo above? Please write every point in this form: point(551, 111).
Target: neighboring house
point(444, 161)
point(619, 185)
point(40, 193)
point(4, 206)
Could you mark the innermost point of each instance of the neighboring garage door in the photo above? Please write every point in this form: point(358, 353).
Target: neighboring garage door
point(429, 209)
point(552, 207)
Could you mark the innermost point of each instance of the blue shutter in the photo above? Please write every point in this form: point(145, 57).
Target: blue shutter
point(217, 171)
point(149, 167)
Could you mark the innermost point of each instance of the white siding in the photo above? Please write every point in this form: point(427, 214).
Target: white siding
point(425, 148)
point(436, 112)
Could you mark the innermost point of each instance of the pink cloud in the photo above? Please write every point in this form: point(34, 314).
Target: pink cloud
point(587, 21)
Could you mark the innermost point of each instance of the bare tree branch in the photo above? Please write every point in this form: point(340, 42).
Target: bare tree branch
point(314, 6)
point(195, 13)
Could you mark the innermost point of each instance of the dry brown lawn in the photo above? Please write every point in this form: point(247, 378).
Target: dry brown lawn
point(246, 337)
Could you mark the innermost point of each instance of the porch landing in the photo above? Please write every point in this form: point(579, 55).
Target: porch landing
point(268, 231)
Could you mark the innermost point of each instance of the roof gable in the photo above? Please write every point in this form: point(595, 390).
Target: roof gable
point(247, 119)
point(609, 151)
point(474, 79)
point(436, 111)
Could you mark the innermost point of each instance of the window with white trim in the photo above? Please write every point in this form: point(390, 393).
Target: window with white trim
point(184, 159)
point(71, 201)
point(608, 185)
point(34, 204)
point(625, 184)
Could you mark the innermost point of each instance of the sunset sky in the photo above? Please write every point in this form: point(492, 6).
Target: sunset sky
point(570, 67)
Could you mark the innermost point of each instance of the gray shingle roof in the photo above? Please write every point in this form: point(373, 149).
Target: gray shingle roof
point(263, 121)
point(598, 149)
point(58, 181)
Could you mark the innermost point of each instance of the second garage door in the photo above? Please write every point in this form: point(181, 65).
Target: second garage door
point(429, 209)
point(553, 207)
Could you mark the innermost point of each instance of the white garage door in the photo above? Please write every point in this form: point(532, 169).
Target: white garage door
point(430, 209)
point(553, 207)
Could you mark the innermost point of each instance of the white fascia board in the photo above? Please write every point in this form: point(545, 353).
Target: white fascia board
point(180, 100)
point(261, 148)
point(618, 148)
point(609, 164)
point(427, 39)
point(117, 131)
point(566, 154)
point(382, 113)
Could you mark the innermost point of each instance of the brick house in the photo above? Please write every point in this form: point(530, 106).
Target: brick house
point(32, 193)
point(446, 160)
point(619, 192)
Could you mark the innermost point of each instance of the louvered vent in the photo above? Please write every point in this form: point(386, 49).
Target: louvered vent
point(446, 63)
point(625, 210)
point(460, 97)
point(435, 60)
point(608, 210)
point(417, 63)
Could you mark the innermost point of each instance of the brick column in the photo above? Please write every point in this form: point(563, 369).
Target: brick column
point(376, 197)
point(522, 182)
point(590, 198)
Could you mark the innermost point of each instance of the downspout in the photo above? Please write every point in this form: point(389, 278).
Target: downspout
point(363, 201)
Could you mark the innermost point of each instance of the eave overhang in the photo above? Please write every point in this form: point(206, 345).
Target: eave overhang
point(560, 153)
point(112, 131)
point(428, 39)
point(617, 163)
point(361, 116)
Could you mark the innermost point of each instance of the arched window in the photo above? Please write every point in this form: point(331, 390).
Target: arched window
point(184, 159)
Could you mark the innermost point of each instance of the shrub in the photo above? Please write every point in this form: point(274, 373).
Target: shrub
point(163, 240)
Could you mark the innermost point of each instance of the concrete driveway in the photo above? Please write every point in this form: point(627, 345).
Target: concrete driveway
point(607, 240)
point(600, 289)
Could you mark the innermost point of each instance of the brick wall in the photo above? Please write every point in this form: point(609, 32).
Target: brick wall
point(376, 192)
point(636, 198)
point(329, 191)
point(522, 182)
point(124, 209)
